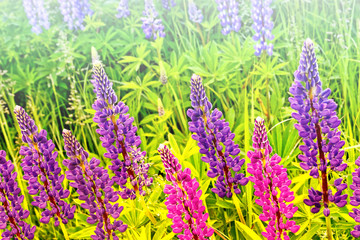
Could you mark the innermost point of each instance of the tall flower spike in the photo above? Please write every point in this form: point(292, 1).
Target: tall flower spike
point(229, 16)
point(261, 15)
point(216, 142)
point(270, 179)
point(152, 25)
point(94, 187)
point(74, 12)
point(318, 127)
point(183, 201)
point(355, 199)
point(168, 4)
point(42, 171)
point(37, 15)
point(195, 14)
point(118, 136)
point(123, 9)
point(11, 212)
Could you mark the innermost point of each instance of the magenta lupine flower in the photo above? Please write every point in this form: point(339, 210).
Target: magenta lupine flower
point(271, 185)
point(261, 14)
point(118, 136)
point(95, 187)
point(183, 201)
point(216, 142)
point(11, 212)
point(318, 127)
point(42, 171)
point(37, 15)
point(355, 199)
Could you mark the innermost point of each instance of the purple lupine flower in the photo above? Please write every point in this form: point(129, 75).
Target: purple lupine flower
point(118, 136)
point(94, 187)
point(229, 15)
point(183, 202)
point(195, 14)
point(11, 212)
point(74, 12)
point(37, 15)
point(42, 171)
point(318, 127)
point(355, 199)
point(261, 15)
point(270, 178)
point(152, 26)
point(215, 141)
point(123, 9)
point(168, 4)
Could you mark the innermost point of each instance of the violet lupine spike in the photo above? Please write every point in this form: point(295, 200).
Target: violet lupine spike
point(95, 188)
point(183, 201)
point(261, 15)
point(195, 14)
point(168, 4)
point(318, 127)
point(355, 199)
point(229, 15)
point(216, 142)
point(37, 15)
point(11, 212)
point(42, 172)
point(118, 136)
point(152, 25)
point(123, 9)
point(74, 12)
point(270, 179)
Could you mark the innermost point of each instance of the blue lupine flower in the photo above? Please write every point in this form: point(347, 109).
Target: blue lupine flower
point(123, 9)
point(229, 16)
point(74, 12)
point(37, 15)
point(168, 4)
point(195, 14)
point(152, 26)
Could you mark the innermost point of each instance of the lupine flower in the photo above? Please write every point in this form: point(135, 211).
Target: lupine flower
point(37, 15)
point(152, 26)
point(229, 15)
point(261, 14)
point(118, 135)
point(168, 4)
point(123, 9)
point(11, 212)
point(95, 187)
point(269, 180)
point(42, 171)
point(215, 141)
point(161, 110)
point(74, 12)
point(355, 199)
point(318, 127)
point(195, 14)
point(183, 201)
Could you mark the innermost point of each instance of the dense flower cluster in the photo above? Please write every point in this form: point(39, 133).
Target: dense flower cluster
point(42, 172)
point(229, 15)
point(318, 127)
point(11, 211)
point(215, 141)
point(152, 26)
point(195, 14)
point(261, 14)
point(269, 180)
point(118, 136)
point(37, 15)
point(355, 199)
point(74, 12)
point(95, 187)
point(183, 202)
point(123, 9)
point(168, 4)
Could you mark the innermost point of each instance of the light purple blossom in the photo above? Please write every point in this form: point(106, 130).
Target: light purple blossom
point(123, 9)
point(152, 25)
point(229, 15)
point(37, 15)
point(74, 12)
point(195, 14)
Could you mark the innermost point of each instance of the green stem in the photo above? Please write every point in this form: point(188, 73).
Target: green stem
point(63, 228)
point(328, 228)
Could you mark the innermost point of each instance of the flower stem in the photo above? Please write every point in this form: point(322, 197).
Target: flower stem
point(63, 228)
point(236, 202)
point(328, 228)
point(147, 211)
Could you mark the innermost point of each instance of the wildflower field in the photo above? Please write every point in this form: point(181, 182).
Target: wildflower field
point(180, 119)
